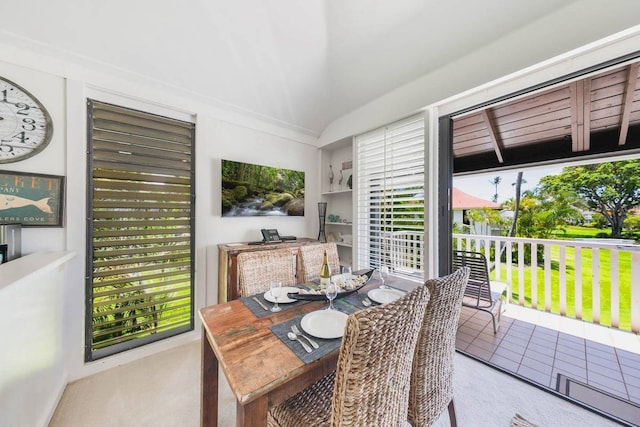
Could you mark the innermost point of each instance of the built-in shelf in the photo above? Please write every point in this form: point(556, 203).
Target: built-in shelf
point(337, 157)
point(328, 193)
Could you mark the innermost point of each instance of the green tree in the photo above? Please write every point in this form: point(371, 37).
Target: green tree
point(542, 214)
point(610, 188)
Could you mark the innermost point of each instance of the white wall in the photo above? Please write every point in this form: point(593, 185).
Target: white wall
point(63, 85)
point(32, 366)
point(576, 25)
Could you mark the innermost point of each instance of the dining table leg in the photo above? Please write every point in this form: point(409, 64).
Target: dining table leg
point(209, 386)
point(252, 414)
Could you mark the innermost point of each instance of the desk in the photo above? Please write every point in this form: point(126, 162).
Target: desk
point(260, 369)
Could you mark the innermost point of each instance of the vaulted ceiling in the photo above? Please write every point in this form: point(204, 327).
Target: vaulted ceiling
point(597, 114)
point(301, 63)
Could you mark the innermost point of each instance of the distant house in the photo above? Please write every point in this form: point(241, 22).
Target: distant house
point(461, 202)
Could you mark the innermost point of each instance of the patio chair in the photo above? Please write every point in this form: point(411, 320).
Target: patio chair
point(371, 384)
point(311, 257)
point(432, 373)
point(256, 270)
point(481, 292)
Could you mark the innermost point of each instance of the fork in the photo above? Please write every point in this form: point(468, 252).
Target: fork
point(296, 331)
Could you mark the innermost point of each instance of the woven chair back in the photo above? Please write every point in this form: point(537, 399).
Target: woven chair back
point(374, 364)
point(311, 257)
point(256, 270)
point(432, 373)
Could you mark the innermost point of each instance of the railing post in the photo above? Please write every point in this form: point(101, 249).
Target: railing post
point(534, 275)
point(595, 284)
point(521, 273)
point(635, 291)
point(577, 278)
point(563, 281)
point(615, 288)
point(547, 277)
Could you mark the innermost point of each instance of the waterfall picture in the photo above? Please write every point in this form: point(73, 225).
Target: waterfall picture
point(256, 190)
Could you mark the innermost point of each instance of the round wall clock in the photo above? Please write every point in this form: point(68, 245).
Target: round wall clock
point(25, 125)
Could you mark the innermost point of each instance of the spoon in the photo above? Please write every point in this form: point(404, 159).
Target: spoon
point(294, 337)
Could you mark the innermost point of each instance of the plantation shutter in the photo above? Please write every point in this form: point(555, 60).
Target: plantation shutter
point(140, 228)
point(390, 197)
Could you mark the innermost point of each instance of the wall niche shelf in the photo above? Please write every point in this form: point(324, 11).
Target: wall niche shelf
point(339, 155)
point(330, 193)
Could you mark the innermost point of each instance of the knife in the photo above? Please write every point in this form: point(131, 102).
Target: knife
point(260, 303)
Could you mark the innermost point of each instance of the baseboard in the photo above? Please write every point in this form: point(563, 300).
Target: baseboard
point(48, 414)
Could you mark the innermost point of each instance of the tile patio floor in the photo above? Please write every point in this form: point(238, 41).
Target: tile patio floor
point(538, 345)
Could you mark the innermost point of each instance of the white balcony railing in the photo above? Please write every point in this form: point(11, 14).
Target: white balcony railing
point(588, 280)
point(404, 252)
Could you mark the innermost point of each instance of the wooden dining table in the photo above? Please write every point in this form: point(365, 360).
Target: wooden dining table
point(260, 369)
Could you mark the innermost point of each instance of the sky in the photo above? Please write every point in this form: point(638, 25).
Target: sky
point(481, 185)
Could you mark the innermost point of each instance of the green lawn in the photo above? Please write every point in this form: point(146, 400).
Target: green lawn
point(624, 278)
point(587, 288)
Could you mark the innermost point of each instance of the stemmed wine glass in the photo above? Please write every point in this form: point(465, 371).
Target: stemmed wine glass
point(331, 292)
point(346, 272)
point(275, 289)
point(383, 272)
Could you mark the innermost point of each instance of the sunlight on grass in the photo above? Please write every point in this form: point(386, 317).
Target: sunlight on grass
point(604, 277)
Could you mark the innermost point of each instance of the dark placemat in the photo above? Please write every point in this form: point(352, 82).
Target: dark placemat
point(355, 300)
point(324, 346)
point(256, 309)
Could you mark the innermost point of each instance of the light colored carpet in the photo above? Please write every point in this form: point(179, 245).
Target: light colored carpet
point(164, 390)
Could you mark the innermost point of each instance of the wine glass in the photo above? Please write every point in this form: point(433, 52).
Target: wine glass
point(383, 272)
point(275, 288)
point(346, 272)
point(331, 292)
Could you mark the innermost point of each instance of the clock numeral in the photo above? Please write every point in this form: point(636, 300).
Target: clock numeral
point(28, 124)
point(21, 136)
point(22, 108)
point(6, 148)
point(4, 95)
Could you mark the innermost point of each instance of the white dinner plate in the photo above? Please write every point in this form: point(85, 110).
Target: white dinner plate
point(283, 298)
point(325, 324)
point(383, 296)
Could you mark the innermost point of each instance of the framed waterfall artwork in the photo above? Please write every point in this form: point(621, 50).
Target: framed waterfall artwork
point(33, 200)
point(257, 190)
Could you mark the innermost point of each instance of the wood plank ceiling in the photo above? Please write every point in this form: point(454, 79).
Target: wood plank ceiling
point(593, 116)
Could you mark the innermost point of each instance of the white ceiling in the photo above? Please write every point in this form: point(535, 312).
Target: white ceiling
point(303, 63)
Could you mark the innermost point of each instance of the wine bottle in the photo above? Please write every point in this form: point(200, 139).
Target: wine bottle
point(325, 273)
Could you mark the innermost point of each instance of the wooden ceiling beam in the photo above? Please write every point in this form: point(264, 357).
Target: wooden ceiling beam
point(580, 92)
point(492, 135)
point(577, 119)
point(586, 115)
point(632, 78)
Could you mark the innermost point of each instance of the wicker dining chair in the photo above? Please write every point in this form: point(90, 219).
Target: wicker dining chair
point(432, 373)
point(311, 257)
point(371, 384)
point(256, 270)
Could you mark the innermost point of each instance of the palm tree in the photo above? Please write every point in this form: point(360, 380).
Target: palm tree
point(495, 182)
